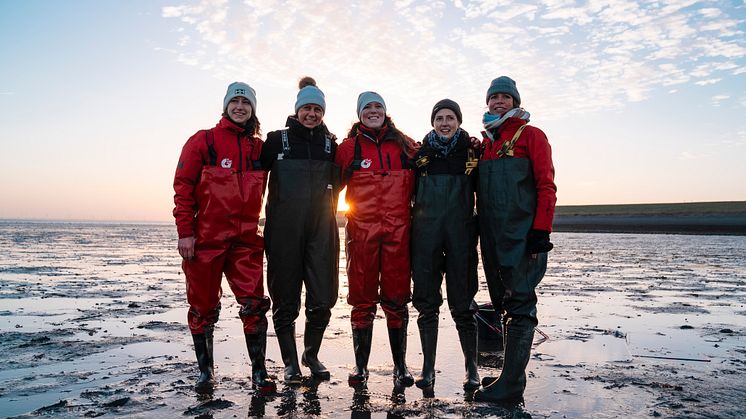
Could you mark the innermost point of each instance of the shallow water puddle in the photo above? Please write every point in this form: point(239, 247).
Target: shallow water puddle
point(597, 349)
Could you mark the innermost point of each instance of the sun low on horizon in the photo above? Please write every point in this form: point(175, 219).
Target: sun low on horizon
point(642, 102)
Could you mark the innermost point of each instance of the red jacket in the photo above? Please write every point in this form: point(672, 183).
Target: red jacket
point(379, 151)
point(233, 150)
point(532, 144)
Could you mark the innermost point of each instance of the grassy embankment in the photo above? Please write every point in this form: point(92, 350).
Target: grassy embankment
point(673, 218)
point(677, 218)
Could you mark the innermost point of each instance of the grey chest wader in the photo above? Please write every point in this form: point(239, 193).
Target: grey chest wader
point(507, 205)
point(302, 246)
point(444, 232)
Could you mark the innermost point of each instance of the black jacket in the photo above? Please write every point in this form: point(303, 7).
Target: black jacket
point(305, 143)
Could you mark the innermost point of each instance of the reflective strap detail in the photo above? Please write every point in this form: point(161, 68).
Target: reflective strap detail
point(471, 161)
point(507, 148)
point(285, 143)
point(328, 145)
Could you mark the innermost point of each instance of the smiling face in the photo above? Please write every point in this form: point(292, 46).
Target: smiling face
point(445, 123)
point(239, 110)
point(310, 116)
point(373, 115)
point(499, 103)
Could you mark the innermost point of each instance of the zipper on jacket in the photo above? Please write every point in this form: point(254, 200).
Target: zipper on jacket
point(380, 155)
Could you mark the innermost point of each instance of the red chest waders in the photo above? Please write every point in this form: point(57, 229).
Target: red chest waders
point(378, 263)
point(377, 241)
point(227, 241)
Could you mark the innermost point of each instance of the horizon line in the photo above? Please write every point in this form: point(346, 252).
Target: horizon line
point(164, 221)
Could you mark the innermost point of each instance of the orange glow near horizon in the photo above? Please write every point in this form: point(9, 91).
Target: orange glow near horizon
point(342, 203)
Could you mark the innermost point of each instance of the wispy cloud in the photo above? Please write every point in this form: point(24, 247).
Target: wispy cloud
point(607, 53)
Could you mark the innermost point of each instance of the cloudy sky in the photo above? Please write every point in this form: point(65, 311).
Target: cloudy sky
point(642, 101)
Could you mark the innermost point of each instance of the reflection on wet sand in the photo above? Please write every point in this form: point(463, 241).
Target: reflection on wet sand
point(92, 322)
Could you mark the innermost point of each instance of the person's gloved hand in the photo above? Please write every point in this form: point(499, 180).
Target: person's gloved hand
point(538, 242)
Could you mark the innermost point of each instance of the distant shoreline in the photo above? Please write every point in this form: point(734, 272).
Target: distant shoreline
point(708, 218)
point(712, 218)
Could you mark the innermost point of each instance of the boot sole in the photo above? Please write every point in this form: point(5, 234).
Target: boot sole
point(319, 375)
point(404, 382)
point(424, 384)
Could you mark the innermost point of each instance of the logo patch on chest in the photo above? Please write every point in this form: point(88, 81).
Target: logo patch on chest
point(366, 163)
point(226, 163)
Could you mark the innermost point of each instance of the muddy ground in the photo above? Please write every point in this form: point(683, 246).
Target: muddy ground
point(92, 324)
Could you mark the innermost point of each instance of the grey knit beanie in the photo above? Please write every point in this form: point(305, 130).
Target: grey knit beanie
point(310, 95)
point(446, 104)
point(504, 84)
point(236, 89)
point(366, 98)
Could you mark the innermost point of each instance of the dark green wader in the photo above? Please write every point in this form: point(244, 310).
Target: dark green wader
point(506, 202)
point(302, 246)
point(445, 241)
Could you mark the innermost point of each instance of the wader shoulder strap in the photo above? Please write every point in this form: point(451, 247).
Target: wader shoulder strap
point(357, 160)
point(507, 148)
point(285, 143)
point(212, 155)
point(327, 145)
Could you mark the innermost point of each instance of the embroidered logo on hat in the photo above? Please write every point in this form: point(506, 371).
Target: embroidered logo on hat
point(226, 163)
point(240, 92)
point(366, 163)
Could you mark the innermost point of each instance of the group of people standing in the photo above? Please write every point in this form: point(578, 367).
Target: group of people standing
point(411, 220)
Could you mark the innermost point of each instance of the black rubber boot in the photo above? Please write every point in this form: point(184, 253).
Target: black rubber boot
point(257, 346)
point(429, 341)
point(502, 321)
point(398, 343)
point(509, 387)
point(361, 341)
point(468, 340)
point(286, 340)
point(312, 337)
point(203, 350)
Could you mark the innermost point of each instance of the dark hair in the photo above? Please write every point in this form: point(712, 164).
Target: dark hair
point(406, 144)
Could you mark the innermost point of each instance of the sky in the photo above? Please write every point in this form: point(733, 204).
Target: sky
point(642, 101)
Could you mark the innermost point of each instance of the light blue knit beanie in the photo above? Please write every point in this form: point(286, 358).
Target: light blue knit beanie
point(236, 89)
point(504, 84)
point(366, 98)
point(310, 94)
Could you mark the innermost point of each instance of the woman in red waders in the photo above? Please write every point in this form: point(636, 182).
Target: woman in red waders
point(376, 170)
point(219, 186)
point(515, 200)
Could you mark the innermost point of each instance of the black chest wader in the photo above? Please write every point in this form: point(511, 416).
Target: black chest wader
point(445, 241)
point(302, 246)
point(507, 204)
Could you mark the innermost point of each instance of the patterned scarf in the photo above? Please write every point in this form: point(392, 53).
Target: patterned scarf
point(491, 122)
point(441, 144)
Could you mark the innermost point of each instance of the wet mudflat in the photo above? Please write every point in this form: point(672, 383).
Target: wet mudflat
point(92, 324)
